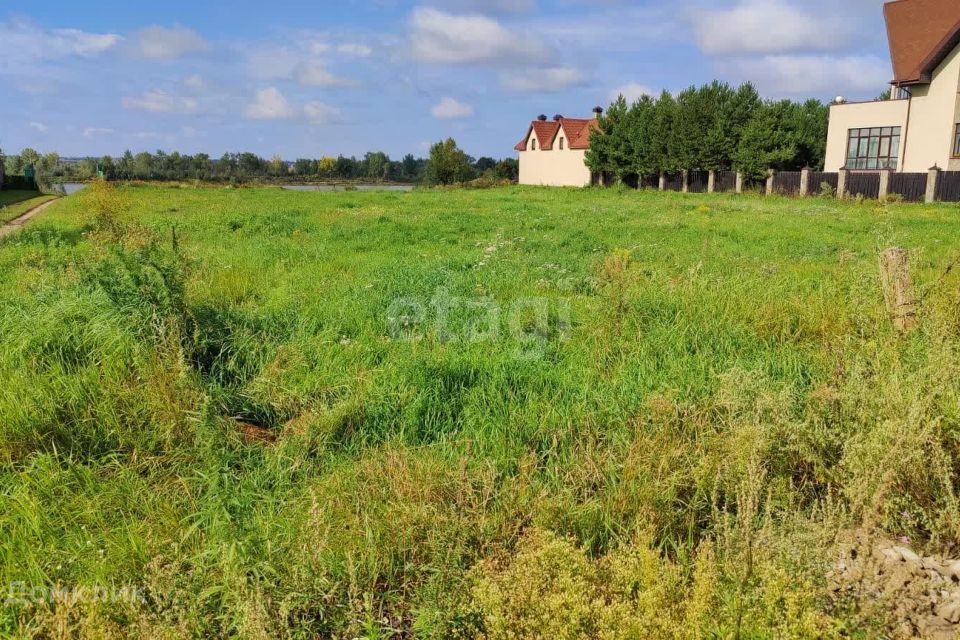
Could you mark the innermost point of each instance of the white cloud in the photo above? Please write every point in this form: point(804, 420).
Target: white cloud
point(269, 104)
point(766, 26)
point(438, 37)
point(39, 126)
point(286, 64)
point(491, 6)
point(451, 109)
point(803, 75)
point(195, 82)
point(273, 63)
point(91, 132)
point(632, 91)
point(320, 113)
point(157, 101)
point(316, 74)
point(22, 41)
point(549, 79)
point(355, 49)
point(169, 43)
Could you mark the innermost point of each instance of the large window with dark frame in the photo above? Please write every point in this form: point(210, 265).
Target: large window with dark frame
point(875, 148)
point(956, 141)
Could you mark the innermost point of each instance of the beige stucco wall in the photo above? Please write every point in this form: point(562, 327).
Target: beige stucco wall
point(933, 118)
point(554, 168)
point(926, 140)
point(860, 115)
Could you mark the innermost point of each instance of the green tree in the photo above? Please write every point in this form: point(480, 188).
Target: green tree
point(507, 169)
point(448, 164)
point(376, 165)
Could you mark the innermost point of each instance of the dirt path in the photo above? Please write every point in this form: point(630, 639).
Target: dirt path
point(17, 223)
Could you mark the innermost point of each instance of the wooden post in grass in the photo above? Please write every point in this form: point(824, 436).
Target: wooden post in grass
point(770, 175)
point(898, 289)
point(842, 176)
point(686, 181)
point(805, 182)
point(662, 184)
point(933, 179)
point(739, 187)
point(712, 181)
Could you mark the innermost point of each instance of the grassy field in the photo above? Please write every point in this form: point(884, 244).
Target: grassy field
point(14, 204)
point(512, 413)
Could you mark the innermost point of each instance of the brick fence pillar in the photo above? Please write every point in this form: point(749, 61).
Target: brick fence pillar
point(884, 184)
point(770, 176)
point(805, 182)
point(842, 176)
point(933, 179)
point(686, 181)
point(712, 181)
point(739, 187)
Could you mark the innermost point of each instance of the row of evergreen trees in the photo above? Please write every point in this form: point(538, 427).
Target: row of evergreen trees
point(712, 127)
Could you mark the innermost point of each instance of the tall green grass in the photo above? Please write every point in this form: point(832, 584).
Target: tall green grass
point(728, 396)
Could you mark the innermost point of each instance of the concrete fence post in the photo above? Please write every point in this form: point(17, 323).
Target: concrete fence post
point(770, 176)
point(686, 181)
point(712, 181)
point(805, 182)
point(884, 184)
point(662, 184)
point(933, 180)
point(739, 187)
point(842, 176)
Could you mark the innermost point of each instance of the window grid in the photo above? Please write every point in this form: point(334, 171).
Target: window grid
point(874, 148)
point(956, 142)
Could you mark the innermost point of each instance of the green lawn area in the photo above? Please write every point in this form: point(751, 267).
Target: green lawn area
point(14, 204)
point(508, 413)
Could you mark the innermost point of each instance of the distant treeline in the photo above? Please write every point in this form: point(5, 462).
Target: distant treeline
point(374, 166)
point(713, 127)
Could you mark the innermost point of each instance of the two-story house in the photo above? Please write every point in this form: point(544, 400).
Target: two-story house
point(553, 153)
point(919, 126)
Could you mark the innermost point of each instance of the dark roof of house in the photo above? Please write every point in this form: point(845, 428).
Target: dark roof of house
point(922, 33)
point(577, 131)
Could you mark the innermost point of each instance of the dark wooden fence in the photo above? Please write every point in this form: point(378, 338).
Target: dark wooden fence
point(726, 181)
point(786, 183)
point(820, 178)
point(948, 187)
point(912, 187)
point(674, 183)
point(697, 181)
point(864, 184)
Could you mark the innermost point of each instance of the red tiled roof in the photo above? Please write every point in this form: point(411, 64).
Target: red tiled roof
point(921, 33)
point(577, 132)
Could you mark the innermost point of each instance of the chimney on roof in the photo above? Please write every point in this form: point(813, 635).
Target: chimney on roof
point(598, 111)
point(557, 118)
point(542, 118)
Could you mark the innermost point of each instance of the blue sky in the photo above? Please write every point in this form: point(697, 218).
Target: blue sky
point(308, 79)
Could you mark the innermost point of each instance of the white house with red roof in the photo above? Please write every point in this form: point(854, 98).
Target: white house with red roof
point(919, 126)
point(553, 152)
